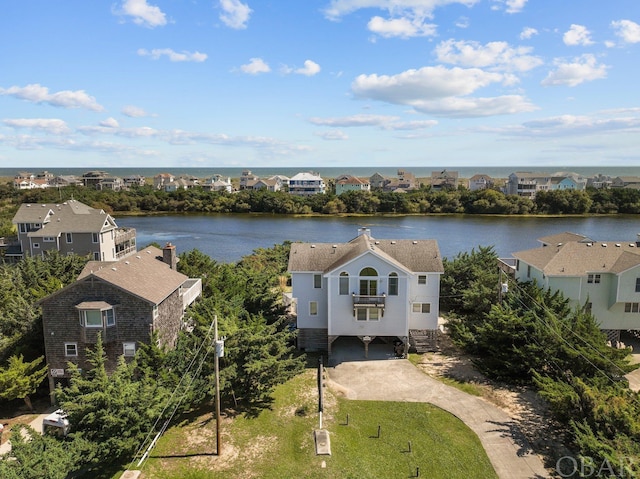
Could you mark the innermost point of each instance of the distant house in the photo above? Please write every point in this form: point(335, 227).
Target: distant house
point(444, 180)
point(366, 288)
point(603, 277)
point(480, 182)
point(351, 183)
point(134, 181)
point(93, 178)
point(269, 184)
point(247, 179)
point(626, 182)
point(128, 303)
point(163, 181)
point(112, 183)
point(306, 184)
point(66, 180)
point(71, 227)
point(599, 181)
point(527, 184)
point(377, 181)
point(218, 183)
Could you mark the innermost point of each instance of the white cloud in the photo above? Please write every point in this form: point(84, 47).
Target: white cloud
point(235, 14)
point(354, 120)
point(441, 91)
point(401, 27)
point(310, 68)
point(528, 32)
point(411, 125)
point(143, 13)
point(627, 30)
point(468, 107)
point(577, 35)
point(134, 111)
point(462, 22)
point(255, 66)
point(173, 56)
point(46, 125)
point(424, 83)
point(515, 6)
point(583, 68)
point(570, 125)
point(110, 123)
point(499, 55)
point(66, 99)
point(333, 135)
point(412, 8)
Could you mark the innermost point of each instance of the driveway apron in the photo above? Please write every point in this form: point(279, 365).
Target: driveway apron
point(399, 380)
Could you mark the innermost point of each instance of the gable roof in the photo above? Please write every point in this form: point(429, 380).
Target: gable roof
point(144, 275)
point(411, 255)
point(579, 258)
point(71, 216)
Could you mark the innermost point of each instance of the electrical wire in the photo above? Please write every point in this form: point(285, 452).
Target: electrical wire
point(174, 392)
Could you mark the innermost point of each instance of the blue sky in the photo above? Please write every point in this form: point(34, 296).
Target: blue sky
point(267, 83)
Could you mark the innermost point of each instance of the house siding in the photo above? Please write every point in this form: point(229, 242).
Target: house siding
point(61, 323)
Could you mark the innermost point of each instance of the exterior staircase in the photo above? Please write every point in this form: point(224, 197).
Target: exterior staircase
point(423, 340)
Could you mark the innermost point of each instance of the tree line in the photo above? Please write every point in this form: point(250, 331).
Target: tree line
point(113, 416)
point(534, 337)
point(421, 201)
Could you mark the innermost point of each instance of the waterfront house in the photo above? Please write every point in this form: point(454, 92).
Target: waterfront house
point(112, 183)
point(480, 182)
point(93, 178)
point(71, 227)
point(444, 180)
point(527, 184)
point(306, 184)
point(346, 183)
point(247, 179)
point(626, 182)
point(372, 289)
point(134, 181)
point(601, 276)
point(218, 183)
point(377, 181)
point(162, 181)
point(129, 302)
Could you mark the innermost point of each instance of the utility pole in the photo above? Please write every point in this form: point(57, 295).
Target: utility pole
point(219, 352)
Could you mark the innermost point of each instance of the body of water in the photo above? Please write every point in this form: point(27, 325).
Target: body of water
point(227, 237)
point(334, 172)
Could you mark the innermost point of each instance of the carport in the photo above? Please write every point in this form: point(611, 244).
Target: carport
point(354, 348)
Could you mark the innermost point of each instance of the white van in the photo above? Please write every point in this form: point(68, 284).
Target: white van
point(56, 423)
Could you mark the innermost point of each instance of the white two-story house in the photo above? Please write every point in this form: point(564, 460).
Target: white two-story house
point(602, 277)
point(366, 288)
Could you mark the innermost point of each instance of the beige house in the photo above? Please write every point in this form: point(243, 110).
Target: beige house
point(127, 303)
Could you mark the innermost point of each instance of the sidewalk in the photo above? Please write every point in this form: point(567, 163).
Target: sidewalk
point(35, 423)
point(399, 380)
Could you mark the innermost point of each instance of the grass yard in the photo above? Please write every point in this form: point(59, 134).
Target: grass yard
point(278, 443)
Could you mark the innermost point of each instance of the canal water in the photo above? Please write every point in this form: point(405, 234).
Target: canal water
point(228, 237)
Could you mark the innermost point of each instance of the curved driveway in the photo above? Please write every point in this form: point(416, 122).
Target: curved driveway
point(399, 380)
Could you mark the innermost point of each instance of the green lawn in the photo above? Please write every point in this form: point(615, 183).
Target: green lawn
point(278, 442)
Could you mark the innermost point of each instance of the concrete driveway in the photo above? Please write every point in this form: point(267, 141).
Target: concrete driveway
point(383, 378)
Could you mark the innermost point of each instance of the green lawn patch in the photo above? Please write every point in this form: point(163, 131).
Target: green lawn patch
point(278, 443)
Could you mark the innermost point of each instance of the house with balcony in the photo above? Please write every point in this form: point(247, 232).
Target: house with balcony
point(444, 180)
point(603, 277)
point(372, 289)
point(71, 227)
point(306, 184)
point(128, 302)
point(481, 182)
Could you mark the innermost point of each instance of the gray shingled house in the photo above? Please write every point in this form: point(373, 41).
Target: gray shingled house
point(126, 302)
point(372, 289)
point(71, 227)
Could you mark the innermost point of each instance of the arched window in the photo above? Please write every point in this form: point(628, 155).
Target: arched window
point(368, 282)
point(344, 283)
point(393, 284)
